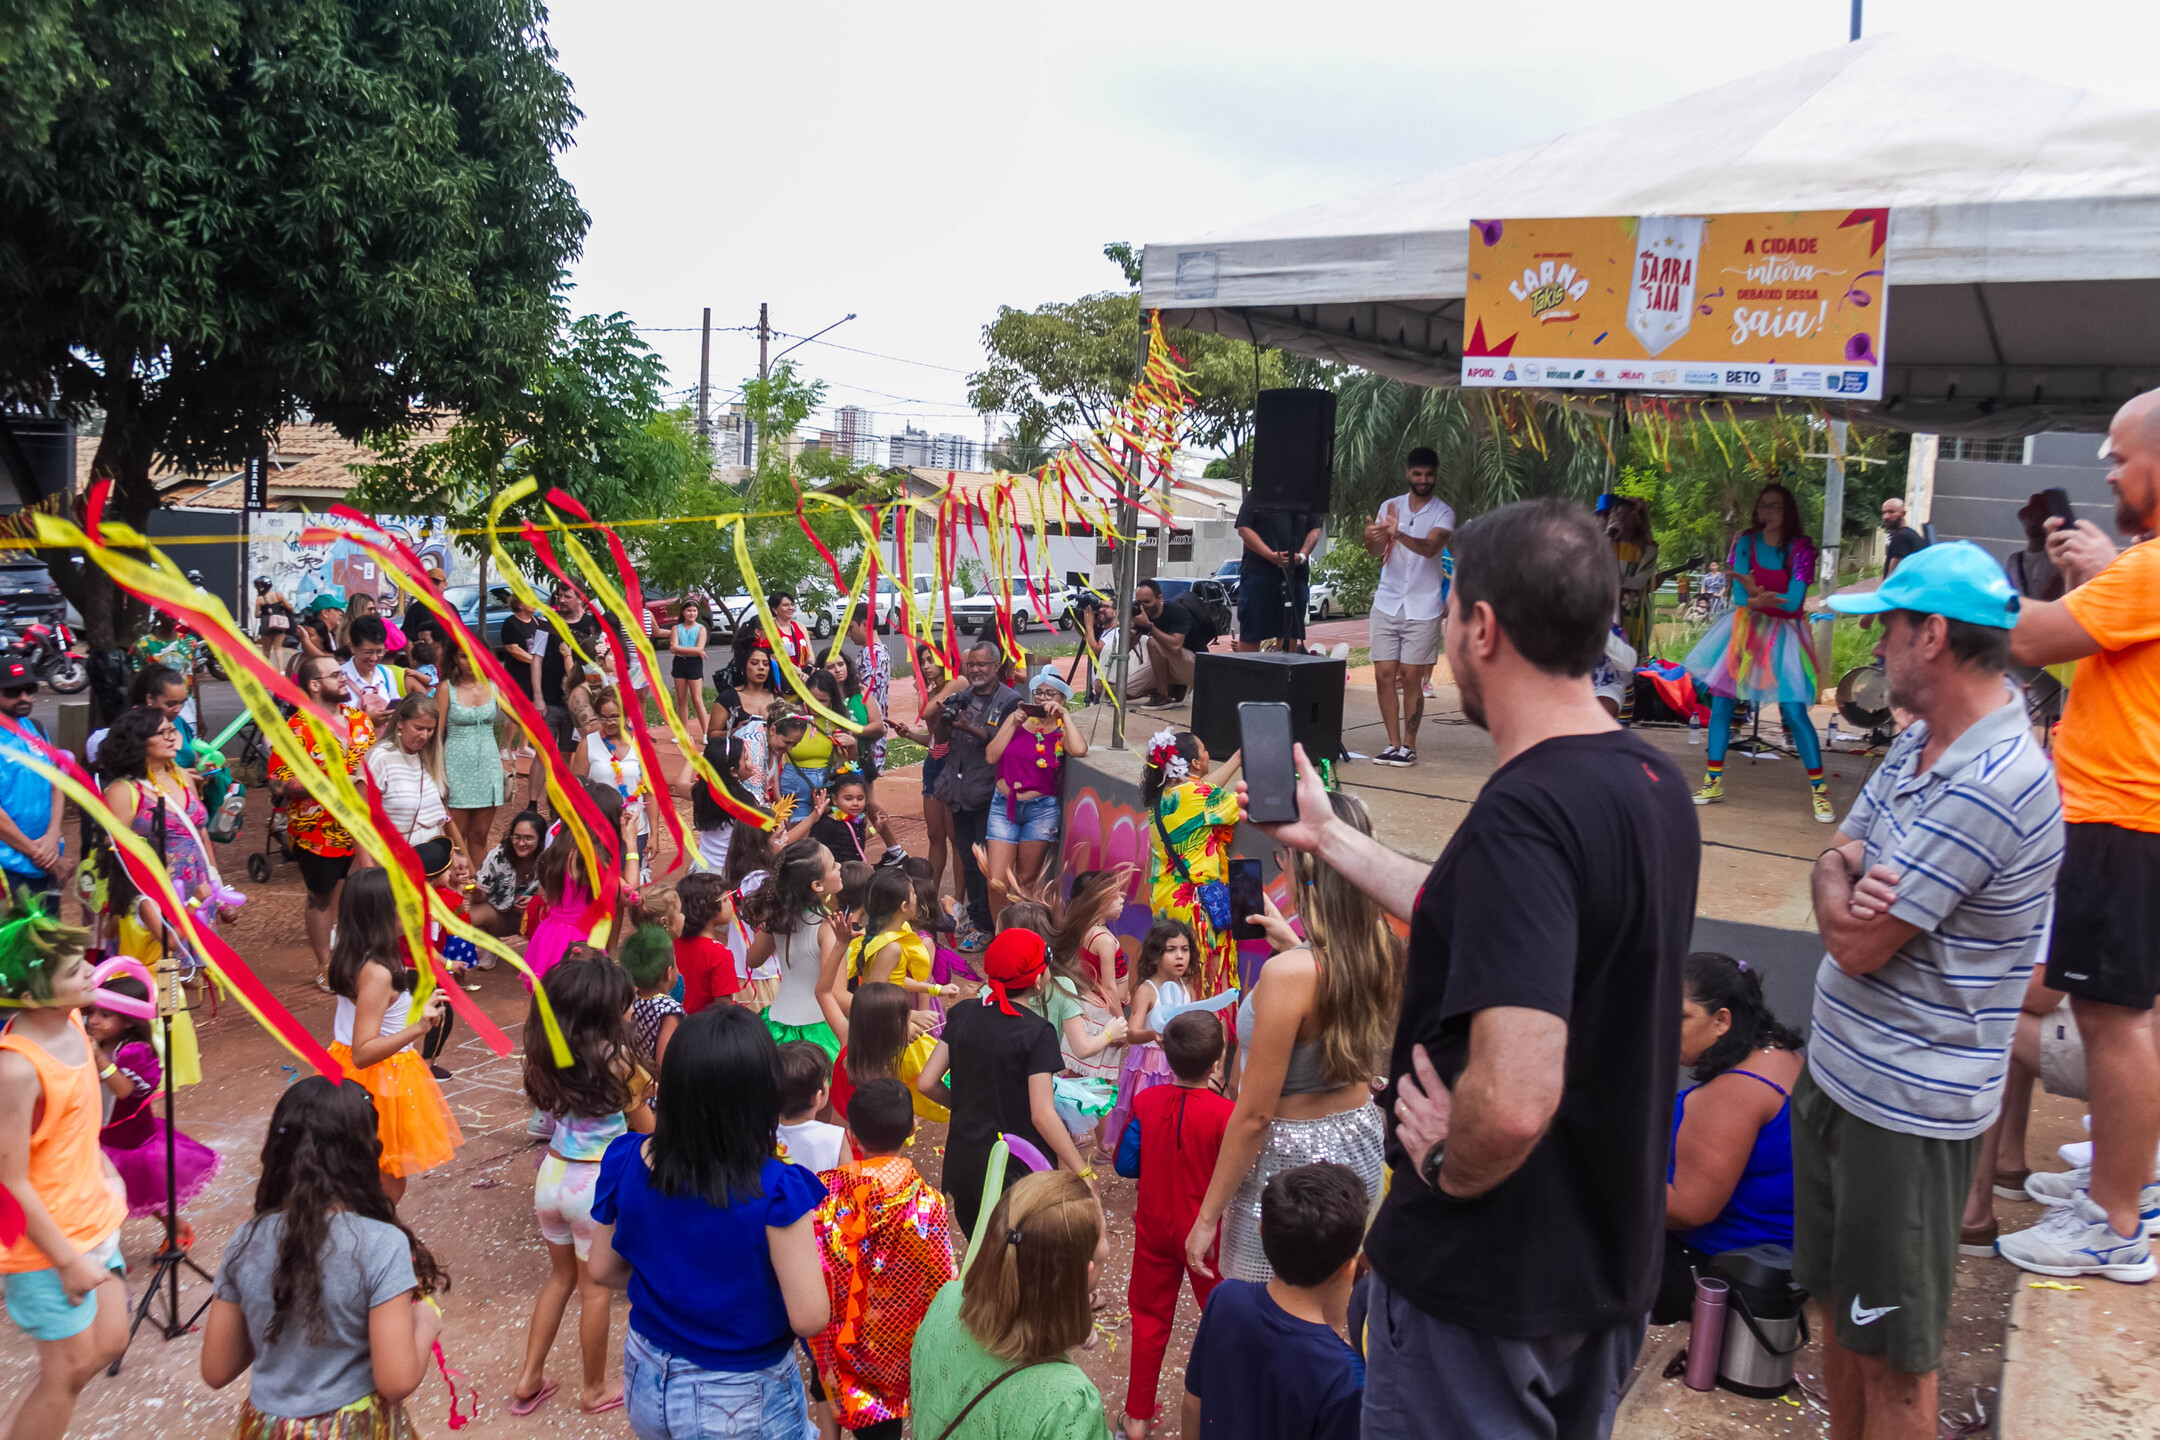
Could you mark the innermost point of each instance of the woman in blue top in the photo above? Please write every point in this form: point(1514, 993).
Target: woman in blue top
point(687, 652)
point(1730, 1183)
point(711, 1233)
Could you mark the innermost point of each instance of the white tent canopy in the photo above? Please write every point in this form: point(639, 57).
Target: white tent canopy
point(2024, 244)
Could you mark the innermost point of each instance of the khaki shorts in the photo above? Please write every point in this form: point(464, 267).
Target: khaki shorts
point(2062, 1054)
point(1406, 641)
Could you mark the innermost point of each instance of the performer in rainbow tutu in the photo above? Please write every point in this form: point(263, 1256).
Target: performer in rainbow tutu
point(1759, 650)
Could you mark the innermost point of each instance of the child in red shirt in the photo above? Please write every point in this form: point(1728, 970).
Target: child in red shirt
point(1170, 1147)
point(706, 965)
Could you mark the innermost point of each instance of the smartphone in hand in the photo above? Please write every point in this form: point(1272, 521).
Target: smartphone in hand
point(1270, 772)
point(1246, 899)
point(2058, 504)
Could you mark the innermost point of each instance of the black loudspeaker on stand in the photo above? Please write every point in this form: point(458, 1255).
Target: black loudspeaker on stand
point(1311, 685)
point(165, 1267)
point(1294, 450)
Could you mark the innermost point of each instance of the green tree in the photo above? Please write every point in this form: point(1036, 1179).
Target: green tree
point(1064, 368)
point(1494, 446)
point(590, 423)
point(216, 217)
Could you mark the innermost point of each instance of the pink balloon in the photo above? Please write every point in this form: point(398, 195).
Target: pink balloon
point(124, 1004)
point(1026, 1153)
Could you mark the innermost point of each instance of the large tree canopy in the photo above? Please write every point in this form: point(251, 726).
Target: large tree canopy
point(217, 216)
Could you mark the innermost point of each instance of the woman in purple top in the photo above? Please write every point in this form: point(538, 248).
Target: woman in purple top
point(1029, 751)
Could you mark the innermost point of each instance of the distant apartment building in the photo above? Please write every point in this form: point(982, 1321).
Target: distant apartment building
point(909, 448)
point(955, 452)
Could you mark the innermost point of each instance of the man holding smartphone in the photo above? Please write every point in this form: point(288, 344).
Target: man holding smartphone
point(2104, 951)
point(1517, 1253)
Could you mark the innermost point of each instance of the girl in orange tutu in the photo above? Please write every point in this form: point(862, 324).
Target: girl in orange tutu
point(375, 1002)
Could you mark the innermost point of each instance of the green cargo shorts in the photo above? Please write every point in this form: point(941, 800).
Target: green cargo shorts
point(1875, 1227)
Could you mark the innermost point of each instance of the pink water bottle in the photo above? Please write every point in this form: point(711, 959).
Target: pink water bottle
point(1706, 1333)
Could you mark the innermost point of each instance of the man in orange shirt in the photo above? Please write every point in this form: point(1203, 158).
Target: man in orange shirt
point(321, 846)
point(2105, 951)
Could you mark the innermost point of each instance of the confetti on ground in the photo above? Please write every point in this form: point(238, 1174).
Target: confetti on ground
point(485, 1184)
point(2051, 1285)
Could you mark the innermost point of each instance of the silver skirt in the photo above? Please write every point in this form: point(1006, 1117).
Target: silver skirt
point(1355, 1138)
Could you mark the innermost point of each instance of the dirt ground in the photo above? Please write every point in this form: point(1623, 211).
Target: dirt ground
point(475, 1213)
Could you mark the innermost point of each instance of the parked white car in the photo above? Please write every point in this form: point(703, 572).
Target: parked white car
point(1046, 604)
point(1320, 602)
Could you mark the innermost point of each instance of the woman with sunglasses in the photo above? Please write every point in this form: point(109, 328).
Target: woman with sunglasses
point(139, 760)
point(608, 757)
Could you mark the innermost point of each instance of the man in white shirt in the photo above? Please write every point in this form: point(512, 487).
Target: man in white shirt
point(1408, 535)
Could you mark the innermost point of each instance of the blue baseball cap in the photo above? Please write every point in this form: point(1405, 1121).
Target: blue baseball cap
point(1955, 579)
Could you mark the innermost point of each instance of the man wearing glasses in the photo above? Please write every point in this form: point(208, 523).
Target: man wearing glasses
point(29, 803)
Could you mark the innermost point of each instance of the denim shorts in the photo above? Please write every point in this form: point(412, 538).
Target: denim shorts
point(37, 1302)
point(801, 781)
point(1038, 819)
point(671, 1399)
point(932, 767)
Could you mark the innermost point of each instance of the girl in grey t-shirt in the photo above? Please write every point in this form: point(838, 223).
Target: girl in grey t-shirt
point(323, 1269)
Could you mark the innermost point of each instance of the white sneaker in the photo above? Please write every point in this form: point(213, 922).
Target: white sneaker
point(2077, 1154)
point(2081, 1242)
point(1340, 650)
point(2057, 1188)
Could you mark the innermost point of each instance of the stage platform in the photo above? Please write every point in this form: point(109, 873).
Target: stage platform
point(1759, 845)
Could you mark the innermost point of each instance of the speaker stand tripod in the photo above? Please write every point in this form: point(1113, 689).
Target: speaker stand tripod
point(171, 1258)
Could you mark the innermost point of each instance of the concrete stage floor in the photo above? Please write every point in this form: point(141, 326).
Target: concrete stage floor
point(1758, 845)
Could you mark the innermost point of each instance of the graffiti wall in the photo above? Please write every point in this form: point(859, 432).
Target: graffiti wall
point(301, 572)
point(1106, 826)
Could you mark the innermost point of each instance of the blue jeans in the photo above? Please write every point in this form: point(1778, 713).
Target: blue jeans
point(1039, 818)
point(672, 1399)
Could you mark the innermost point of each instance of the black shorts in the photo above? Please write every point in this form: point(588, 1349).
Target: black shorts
point(2106, 941)
point(321, 873)
point(689, 667)
point(1260, 607)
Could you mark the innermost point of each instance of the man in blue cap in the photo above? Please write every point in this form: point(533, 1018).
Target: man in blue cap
point(1933, 906)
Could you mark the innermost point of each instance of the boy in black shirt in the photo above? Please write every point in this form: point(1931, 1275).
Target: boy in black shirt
point(1268, 1358)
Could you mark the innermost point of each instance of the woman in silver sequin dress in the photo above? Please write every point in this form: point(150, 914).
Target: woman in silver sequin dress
point(1313, 1031)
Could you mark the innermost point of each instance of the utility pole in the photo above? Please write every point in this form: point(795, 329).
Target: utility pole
point(753, 441)
point(1127, 575)
point(704, 381)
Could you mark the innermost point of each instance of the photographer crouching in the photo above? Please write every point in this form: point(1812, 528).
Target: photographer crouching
point(1166, 636)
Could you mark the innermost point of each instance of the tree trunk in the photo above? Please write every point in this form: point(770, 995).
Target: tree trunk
point(112, 619)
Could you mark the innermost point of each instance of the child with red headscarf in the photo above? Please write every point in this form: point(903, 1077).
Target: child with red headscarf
point(994, 1069)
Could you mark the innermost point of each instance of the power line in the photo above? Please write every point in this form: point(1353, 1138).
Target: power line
point(876, 355)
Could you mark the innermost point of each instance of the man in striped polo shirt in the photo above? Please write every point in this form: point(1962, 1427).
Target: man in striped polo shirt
point(1934, 907)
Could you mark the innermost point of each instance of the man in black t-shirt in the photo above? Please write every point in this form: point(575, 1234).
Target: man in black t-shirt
point(1531, 1080)
point(1175, 631)
point(1904, 540)
point(1278, 549)
point(555, 660)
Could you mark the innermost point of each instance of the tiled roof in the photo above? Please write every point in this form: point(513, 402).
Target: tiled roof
point(308, 462)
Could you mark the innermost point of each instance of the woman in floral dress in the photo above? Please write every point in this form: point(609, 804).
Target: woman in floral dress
point(1191, 817)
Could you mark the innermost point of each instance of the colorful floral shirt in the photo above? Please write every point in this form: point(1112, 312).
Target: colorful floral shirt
point(877, 684)
point(308, 825)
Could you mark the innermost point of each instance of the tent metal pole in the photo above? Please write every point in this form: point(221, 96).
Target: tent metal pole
point(1127, 574)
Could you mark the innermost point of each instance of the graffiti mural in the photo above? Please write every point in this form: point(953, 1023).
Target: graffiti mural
point(302, 572)
point(1105, 827)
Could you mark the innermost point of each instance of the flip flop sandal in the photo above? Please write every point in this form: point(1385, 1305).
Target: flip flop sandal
point(603, 1407)
point(535, 1400)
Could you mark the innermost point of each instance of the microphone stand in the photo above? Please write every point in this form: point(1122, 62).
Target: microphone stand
point(165, 1267)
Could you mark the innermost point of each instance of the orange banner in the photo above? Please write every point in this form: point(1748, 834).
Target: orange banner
point(1788, 303)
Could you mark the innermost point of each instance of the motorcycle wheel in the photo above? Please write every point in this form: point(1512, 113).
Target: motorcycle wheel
point(216, 668)
point(68, 675)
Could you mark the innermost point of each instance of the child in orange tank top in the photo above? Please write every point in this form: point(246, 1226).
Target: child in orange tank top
point(63, 1274)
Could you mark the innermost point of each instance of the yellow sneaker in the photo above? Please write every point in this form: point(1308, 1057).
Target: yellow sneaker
point(1823, 812)
point(1711, 792)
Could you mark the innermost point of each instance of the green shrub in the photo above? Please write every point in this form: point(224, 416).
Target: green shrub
point(1352, 574)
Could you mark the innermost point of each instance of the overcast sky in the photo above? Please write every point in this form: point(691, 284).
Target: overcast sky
point(922, 164)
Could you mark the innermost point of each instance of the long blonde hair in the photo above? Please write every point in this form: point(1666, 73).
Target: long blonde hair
point(1026, 1295)
point(413, 707)
point(1357, 995)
